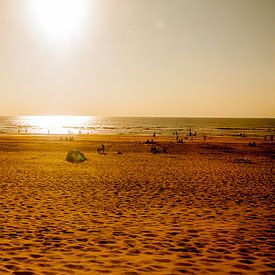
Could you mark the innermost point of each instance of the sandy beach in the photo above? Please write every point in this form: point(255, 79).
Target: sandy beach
point(201, 208)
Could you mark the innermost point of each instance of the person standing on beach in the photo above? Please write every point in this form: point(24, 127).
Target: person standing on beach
point(204, 138)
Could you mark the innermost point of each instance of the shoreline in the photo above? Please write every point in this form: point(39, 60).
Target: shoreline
point(197, 138)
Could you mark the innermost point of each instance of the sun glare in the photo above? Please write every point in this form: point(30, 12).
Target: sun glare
point(60, 20)
point(55, 124)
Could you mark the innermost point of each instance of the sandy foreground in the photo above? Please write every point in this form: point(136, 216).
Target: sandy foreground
point(201, 208)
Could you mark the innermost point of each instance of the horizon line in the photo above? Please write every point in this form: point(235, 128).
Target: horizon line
point(135, 116)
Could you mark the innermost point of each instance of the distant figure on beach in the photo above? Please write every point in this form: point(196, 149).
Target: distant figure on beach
point(252, 144)
point(154, 134)
point(101, 149)
point(204, 138)
point(149, 141)
point(154, 149)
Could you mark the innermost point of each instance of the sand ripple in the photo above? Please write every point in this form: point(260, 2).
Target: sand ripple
point(190, 212)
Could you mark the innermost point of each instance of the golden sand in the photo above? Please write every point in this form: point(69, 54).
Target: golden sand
point(201, 208)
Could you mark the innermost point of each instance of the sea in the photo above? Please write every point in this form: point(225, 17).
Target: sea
point(253, 127)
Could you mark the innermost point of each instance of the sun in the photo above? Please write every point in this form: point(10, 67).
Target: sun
point(59, 20)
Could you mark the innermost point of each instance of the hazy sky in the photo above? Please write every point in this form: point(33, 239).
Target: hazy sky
point(138, 57)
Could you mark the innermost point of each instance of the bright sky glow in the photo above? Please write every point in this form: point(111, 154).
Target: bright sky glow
point(59, 20)
point(185, 58)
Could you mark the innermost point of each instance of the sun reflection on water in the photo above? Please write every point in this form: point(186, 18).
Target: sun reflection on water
point(52, 124)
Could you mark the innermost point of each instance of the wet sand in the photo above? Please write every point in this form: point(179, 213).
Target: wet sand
point(202, 208)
